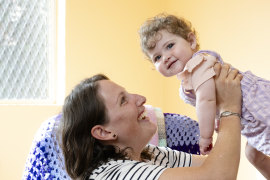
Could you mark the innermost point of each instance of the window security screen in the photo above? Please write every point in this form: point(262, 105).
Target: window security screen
point(26, 43)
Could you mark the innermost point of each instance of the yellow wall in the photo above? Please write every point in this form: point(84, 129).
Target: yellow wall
point(101, 37)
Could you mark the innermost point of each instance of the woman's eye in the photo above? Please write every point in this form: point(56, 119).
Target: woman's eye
point(157, 58)
point(170, 45)
point(123, 100)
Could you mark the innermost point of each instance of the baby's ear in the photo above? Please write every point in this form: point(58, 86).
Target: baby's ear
point(192, 40)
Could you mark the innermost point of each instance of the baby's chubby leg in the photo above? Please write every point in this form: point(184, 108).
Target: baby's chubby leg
point(205, 145)
point(259, 160)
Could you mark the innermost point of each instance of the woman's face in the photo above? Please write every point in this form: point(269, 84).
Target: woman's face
point(126, 115)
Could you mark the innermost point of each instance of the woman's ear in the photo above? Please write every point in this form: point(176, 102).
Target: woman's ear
point(101, 133)
point(192, 40)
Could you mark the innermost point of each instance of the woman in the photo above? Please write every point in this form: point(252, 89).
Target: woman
point(105, 134)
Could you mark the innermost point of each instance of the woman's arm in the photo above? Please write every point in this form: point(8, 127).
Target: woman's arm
point(206, 113)
point(223, 160)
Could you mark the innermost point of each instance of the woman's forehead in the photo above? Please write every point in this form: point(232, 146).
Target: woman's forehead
point(108, 84)
point(109, 90)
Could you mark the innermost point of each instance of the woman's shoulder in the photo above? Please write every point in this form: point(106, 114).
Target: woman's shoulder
point(167, 157)
point(157, 150)
point(126, 169)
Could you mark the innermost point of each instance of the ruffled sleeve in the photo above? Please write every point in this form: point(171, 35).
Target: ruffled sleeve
point(198, 70)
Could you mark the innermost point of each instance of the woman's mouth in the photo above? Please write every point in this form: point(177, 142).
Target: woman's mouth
point(142, 116)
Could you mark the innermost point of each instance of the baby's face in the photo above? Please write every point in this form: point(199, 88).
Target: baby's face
point(171, 53)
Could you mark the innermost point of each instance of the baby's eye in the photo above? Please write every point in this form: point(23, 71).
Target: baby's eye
point(170, 45)
point(157, 58)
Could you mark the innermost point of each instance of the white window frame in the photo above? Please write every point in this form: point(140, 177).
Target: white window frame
point(61, 58)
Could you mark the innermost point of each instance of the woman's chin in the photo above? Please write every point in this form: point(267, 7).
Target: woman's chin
point(152, 128)
point(149, 126)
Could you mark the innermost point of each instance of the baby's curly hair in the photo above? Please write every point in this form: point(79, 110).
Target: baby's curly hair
point(149, 30)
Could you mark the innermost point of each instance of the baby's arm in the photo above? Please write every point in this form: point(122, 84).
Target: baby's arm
point(206, 112)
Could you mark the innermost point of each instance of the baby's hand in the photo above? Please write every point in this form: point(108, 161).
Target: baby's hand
point(205, 145)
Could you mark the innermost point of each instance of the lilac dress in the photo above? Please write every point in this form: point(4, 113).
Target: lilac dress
point(255, 119)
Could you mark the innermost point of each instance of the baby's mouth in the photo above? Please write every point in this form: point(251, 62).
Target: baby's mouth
point(169, 66)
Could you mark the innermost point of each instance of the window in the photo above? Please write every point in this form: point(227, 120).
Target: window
point(30, 67)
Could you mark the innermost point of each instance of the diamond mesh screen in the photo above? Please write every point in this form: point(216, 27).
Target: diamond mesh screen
point(24, 49)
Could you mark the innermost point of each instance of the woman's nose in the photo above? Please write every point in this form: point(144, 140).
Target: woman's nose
point(140, 100)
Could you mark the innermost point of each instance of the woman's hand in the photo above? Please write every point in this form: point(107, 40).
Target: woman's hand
point(228, 88)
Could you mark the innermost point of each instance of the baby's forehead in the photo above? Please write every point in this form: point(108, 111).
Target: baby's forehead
point(152, 41)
